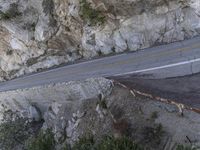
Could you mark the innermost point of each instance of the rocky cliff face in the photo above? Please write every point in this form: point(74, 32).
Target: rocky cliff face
point(38, 34)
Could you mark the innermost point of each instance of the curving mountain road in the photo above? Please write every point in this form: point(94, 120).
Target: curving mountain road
point(176, 59)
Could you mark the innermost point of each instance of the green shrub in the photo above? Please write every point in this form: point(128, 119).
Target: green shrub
point(111, 143)
point(12, 12)
point(182, 147)
point(153, 135)
point(43, 141)
point(91, 15)
point(154, 115)
point(102, 104)
point(85, 143)
point(4, 16)
point(14, 130)
point(9, 52)
point(13, 133)
point(106, 143)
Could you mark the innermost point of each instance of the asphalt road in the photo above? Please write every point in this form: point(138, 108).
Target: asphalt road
point(176, 59)
point(185, 90)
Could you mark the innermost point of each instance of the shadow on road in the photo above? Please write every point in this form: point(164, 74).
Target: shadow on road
point(185, 90)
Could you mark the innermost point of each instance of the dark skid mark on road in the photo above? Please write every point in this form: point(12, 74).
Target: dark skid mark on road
point(185, 90)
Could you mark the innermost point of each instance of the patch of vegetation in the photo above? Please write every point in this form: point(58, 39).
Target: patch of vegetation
point(13, 72)
point(31, 61)
point(107, 143)
point(153, 135)
point(91, 15)
point(111, 143)
point(12, 134)
point(113, 49)
point(182, 147)
point(13, 131)
point(12, 12)
point(102, 104)
point(100, 53)
point(85, 143)
point(29, 26)
point(4, 16)
point(48, 6)
point(43, 141)
point(154, 115)
point(9, 52)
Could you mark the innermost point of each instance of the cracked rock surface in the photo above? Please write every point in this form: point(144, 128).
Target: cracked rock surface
point(39, 34)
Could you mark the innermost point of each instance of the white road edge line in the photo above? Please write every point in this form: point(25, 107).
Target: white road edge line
point(161, 67)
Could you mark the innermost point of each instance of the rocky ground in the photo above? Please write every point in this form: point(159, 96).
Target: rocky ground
point(39, 34)
point(101, 107)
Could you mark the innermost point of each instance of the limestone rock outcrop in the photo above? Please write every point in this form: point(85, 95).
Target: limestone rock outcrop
point(39, 34)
